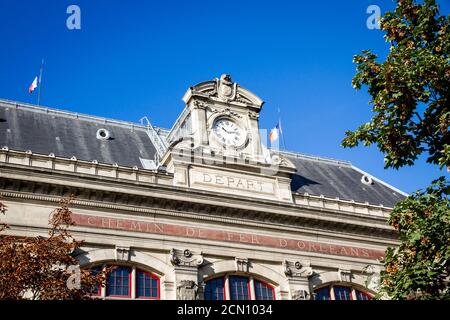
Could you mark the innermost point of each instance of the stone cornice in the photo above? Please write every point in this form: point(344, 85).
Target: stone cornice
point(241, 222)
point(158, 192)
point(126, 204)
point(100, 187)
point(94, 168)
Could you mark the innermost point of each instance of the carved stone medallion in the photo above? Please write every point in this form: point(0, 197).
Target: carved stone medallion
point(226, 90)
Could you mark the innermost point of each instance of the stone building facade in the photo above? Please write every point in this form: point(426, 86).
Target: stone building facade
point(200, 211)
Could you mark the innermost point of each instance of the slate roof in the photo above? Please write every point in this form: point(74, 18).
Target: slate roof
point(66, 134)
point(339, 179)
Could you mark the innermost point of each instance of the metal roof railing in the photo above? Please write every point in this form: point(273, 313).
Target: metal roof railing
point(159, 143)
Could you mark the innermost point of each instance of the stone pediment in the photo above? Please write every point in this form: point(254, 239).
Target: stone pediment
point(225, 90)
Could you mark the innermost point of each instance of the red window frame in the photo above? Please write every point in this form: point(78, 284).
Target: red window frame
point(248, 286)
point(157, 285)
point(266, 285)
point(345, 287)
point(365, 294)
point(129, 284)
point(224, 286)
point(355, 297)
point(328, 296)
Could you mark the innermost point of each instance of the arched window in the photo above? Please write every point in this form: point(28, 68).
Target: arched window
point(128, 283)
point(147, 285)
point(263, 291)
point(234, 287)
point(339, 292)
point(215, 289)
point(362, 295)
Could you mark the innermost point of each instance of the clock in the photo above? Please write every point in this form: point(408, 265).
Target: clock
point(229, 133)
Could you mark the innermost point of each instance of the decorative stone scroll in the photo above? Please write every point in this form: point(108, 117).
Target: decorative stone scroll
point(185, 258)
point(297, 269)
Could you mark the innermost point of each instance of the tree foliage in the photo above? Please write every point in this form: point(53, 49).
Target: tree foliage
point(410, 95)
point(38, 267)
point(410, 89)
point(420, 267)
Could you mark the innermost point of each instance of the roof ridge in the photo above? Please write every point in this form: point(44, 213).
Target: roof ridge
point(314, 157)
point(77, 115)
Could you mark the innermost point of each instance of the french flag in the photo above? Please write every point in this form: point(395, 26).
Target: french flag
point(33, 85)
point(274, 133)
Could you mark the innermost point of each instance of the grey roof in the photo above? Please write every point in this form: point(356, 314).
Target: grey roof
point(339, 179)
point(65, 134)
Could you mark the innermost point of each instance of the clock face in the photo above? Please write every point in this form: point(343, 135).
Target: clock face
point(229, 133)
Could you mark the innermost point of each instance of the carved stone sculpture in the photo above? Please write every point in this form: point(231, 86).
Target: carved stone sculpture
point(297, 269)
point(187, 290)
point(185, 258)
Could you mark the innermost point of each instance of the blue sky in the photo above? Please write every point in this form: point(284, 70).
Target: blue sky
point(137, 58)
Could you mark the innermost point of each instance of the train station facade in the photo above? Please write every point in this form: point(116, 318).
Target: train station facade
point(199, 211)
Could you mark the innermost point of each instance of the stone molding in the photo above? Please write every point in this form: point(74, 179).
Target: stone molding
point(122, 253)
point(342, 205)
point(83, 167)
point(194, 211)
point(122, 173)
point(258, 270)
point(139, 211)
point(242, 265)
point(346, 276)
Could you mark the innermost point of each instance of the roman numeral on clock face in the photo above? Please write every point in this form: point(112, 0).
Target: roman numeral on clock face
point(228, 132)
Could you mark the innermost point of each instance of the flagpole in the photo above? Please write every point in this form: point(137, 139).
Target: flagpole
point(40, 83)
point(281, 129)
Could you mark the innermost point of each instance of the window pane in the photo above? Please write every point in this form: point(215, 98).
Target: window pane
point(263, 291)
point(362, 295)
point(239, 288)
point(342, 293)
point(119, 282)
point(146, 286)
point(323, 294)
point(214, 289)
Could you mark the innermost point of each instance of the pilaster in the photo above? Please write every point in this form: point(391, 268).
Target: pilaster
point(297, 274)
point(186, 265)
